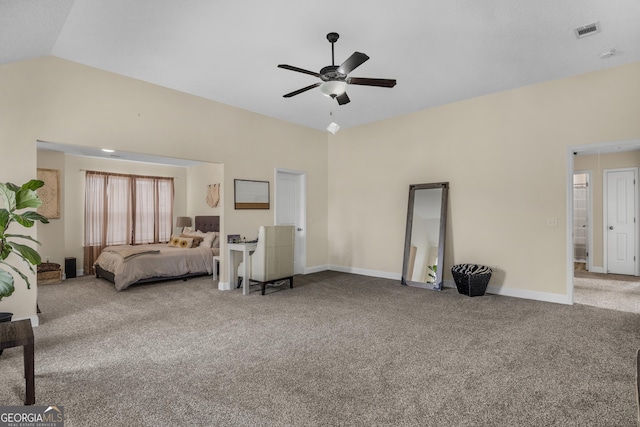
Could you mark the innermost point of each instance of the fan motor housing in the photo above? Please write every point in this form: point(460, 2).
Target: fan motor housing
point(330, 72)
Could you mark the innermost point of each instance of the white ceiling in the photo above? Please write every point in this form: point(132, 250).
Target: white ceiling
point(228, 51)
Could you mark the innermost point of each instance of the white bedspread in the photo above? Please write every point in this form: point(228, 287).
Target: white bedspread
point(166, 262)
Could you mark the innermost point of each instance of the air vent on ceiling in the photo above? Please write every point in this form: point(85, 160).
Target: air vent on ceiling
point(587, 30)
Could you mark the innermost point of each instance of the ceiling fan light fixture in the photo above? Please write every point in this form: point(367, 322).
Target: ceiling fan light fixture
point(333, 88)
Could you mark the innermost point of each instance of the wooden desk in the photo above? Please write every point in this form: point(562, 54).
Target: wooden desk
point(20, 333)
point(245, 248)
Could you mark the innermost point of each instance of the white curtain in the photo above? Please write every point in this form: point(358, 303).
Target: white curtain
point(125, 209)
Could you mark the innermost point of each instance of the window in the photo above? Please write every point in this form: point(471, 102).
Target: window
point(127, 209)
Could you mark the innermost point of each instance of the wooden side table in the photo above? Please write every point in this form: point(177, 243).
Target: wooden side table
point(20, 333)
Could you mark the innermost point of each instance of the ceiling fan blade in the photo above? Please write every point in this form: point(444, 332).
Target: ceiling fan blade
point(343, 99)
point(352, 62)
point(299, 70)
point(299, 91)
point(371, 82)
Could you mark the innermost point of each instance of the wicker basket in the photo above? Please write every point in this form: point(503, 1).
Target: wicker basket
point(471, 279)
point(49, 273)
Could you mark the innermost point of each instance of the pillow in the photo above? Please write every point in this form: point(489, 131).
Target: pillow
point(216, 240)
point(209, 240)
point(209, 237)
point(187, 230)
point(181, 242)
point(196, 239)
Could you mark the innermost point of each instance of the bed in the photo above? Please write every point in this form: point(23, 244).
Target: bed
point(127, 265)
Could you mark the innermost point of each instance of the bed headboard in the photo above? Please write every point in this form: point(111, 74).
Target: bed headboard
point(208, 223)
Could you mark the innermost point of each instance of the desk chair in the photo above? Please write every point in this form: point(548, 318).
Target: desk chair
point(272, 261)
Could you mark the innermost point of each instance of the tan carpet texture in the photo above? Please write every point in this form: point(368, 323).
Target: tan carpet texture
point(337, 349)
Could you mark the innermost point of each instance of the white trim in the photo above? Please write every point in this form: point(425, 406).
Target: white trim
point(519, 293)
point(316, 269)
point(597, 270)
point(224, 286)
point(533, 295)
point(569, 230)
point(366, 272)
point(496, 290)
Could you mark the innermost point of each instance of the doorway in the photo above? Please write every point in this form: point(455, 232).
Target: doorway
point(599, 286)
point(290, 209)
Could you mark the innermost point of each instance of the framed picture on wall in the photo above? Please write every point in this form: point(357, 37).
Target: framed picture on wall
point(251, 194)
point(49, 193)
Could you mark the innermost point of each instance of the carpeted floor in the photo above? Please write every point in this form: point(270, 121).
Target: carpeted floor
point(338, 349)
point(612, 291)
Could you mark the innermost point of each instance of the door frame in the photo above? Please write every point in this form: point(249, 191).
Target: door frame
point(302, 211)
point(589, 216)
point(605, 215)
point(571, 151)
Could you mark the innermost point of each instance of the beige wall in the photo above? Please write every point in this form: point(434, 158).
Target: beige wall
point(596, 164)
point(505, 156)
point(51, 235)
point(56, 100)
point(199, 178)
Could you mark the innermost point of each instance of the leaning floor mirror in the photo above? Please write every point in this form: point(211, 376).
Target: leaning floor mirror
point(425, 235)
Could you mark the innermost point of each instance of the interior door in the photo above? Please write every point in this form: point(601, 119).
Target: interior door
point(290, 209)
point(620, 223)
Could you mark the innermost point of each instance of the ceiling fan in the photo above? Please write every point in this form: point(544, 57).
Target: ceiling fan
point(334, 78)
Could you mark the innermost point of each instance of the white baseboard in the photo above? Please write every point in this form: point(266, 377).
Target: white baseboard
point(496, 290)
point(366, 272)
point(520, 293)
point(597, 270)
point(316, 269)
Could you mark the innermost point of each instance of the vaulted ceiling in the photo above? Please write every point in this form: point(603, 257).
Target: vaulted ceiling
point(228, 51)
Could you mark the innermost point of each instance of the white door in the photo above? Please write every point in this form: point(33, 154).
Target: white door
point(290, 209)
point(620, 225)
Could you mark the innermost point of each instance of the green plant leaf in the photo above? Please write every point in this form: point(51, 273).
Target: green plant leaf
point(21, 236)
point(8, 196)
point(16, 198)
point(19, 273)
point(26, 198)
point(34, 184)
point(6, 250)
point(25, 222)
point(6, 284)
point(27, 252)
point(35, 216)
point(4, 219)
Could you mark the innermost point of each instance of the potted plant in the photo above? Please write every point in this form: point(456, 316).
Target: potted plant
point(16, 199)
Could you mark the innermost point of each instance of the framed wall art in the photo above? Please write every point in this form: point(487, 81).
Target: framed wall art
point(49, 193)
point(251, 194)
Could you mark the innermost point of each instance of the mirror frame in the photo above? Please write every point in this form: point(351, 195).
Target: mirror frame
point(441, 238)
